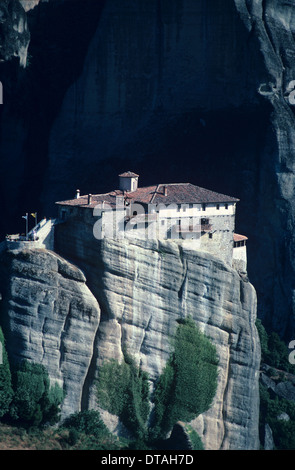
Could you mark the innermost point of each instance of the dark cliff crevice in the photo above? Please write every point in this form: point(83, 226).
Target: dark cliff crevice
point(272, 46)
point(181, 291)
point(60, 36)
point(91, 375)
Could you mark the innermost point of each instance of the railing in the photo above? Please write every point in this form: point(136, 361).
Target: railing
point(38, 237)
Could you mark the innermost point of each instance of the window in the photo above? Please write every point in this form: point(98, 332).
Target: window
point(203, 207)
point(211, 235)
point(226, 206)
point(217, 206)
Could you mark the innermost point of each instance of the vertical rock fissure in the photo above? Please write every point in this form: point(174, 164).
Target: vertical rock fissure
point(62, 348)
point(225, 396)
point(182, 289)
point(90, 375)
point(146, 329)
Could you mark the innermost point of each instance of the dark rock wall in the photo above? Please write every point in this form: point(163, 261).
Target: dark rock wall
point(189, 90)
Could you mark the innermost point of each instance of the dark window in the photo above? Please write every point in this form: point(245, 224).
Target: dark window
point(210, 235)
point(226, 206)
point(217, 207)
point(203, 207)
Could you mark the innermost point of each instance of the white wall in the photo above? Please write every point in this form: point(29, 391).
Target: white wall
point(240, 257)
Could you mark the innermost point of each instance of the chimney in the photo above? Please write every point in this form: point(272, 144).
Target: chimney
point(89, 198)
point(77, 193)
point(165, 191)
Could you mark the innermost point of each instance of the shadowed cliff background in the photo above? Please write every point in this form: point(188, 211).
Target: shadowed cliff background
point(182, 90)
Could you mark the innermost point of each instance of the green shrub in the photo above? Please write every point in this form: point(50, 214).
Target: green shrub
point(6, 392)
point(88, 422)
point(123, 390)
point(274, 351)
point(270, 410)
point(73, 436)
point(263, 336)
point(185, 389)
point(188, 383)
point(34, 401)
point(195, 439)
point(87, 431)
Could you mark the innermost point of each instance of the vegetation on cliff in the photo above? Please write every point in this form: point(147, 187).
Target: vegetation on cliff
point(34, 401)
point(184, 390)
point(274, 350)
point(26, 397)
point(6, 391)
point(188, 383)
point(123, 390)
point(276, 411)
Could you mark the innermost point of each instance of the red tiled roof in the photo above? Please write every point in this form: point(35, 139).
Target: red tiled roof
point(82, 201)
point(239, 238)
point(177, 193)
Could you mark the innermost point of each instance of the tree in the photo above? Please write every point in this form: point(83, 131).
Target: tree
point(6, 391)
point(188, 383)
point(185, 388)
point(34, 401)
point(263, 336)
point(123, 390)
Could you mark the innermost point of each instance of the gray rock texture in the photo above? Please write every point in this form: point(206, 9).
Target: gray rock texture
point(270, 26)
point(138, 291)
point(183, 90)
point(14, 32)
point(30, 4)
point(50, 317)
point(143, 287)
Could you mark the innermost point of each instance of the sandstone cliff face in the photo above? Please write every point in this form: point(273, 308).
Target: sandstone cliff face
point(145, 290)
point(50, 317)
point(138, 291)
